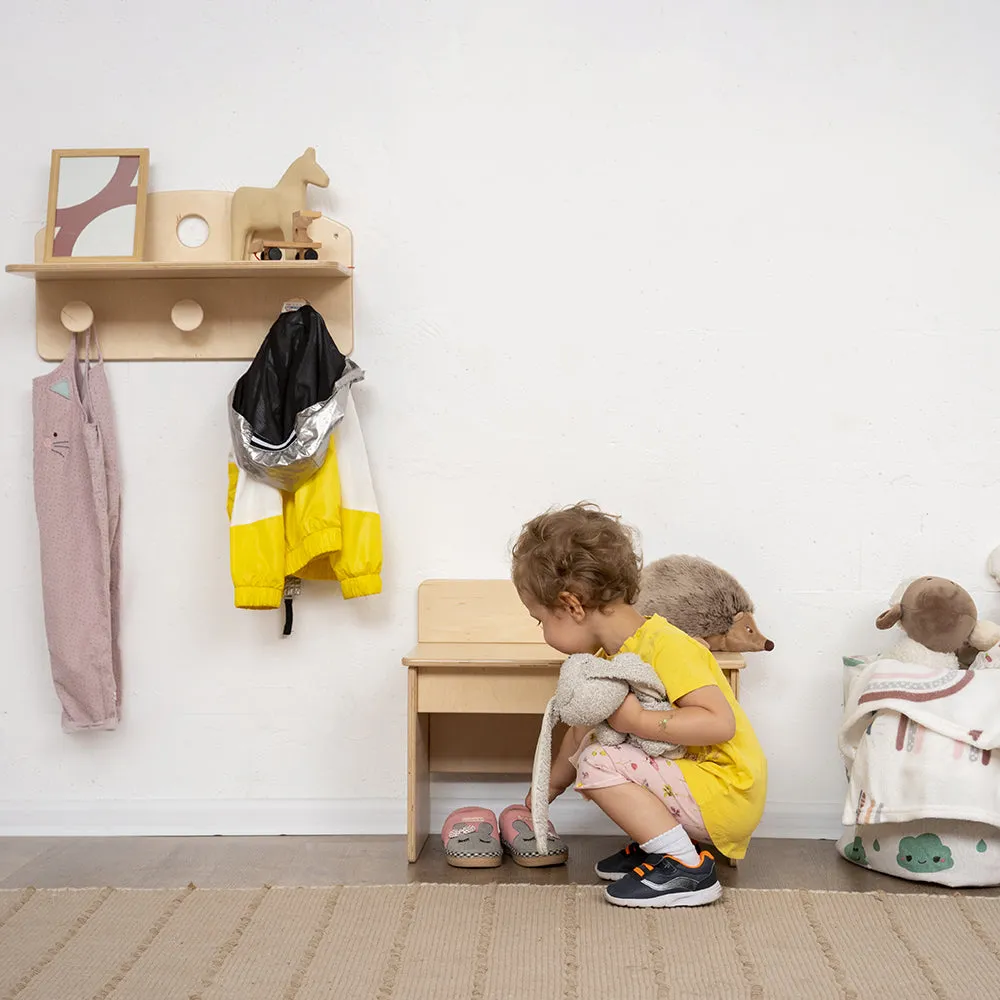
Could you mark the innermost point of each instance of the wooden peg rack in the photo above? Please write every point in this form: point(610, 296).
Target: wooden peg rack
point(144, 310)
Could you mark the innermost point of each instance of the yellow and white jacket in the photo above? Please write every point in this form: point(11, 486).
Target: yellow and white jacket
point(328, 529)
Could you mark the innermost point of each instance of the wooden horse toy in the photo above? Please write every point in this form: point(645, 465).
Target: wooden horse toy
point(262, 209)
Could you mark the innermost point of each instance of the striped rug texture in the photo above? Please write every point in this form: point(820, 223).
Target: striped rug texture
point(491, 942)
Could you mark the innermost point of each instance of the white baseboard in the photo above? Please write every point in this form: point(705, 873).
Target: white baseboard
point(271, 817)
point(574, 816)
point(571, 814)
point(801, 821)
point(201, 817)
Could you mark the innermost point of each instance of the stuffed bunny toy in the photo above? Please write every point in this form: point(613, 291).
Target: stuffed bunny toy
point(590, 689)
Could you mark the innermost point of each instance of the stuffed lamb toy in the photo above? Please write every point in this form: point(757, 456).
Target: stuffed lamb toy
point(939, 625)
point(590, 689)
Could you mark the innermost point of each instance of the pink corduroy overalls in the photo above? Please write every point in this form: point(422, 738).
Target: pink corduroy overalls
point(78, 504)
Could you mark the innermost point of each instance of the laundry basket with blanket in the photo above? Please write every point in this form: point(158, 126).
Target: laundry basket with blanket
point(920, 739)
point(922, 749)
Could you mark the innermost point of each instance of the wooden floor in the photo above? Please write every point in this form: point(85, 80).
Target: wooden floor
point(246, 862)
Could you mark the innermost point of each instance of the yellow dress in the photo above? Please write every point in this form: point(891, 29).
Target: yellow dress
point(729, 780)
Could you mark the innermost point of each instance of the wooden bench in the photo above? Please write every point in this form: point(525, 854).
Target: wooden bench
point(478, 681)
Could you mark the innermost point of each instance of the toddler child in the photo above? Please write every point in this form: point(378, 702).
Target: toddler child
point(577, 572)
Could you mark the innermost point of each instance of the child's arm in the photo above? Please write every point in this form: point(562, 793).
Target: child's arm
point(563, 772)
point(701, 718)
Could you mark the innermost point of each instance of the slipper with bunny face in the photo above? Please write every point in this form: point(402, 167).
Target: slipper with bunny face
point(470, 838)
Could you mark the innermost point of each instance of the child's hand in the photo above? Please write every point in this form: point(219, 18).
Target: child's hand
point(628, 714)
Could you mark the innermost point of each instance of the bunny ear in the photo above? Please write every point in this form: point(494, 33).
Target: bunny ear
point(597, 666)
point(523, 829)
point(625, 668)
point(541, 769)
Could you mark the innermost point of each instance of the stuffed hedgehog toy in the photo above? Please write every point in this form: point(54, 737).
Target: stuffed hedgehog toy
point(702, 600)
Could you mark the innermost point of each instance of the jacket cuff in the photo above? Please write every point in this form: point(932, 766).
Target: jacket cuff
point(319, 543)
point(361, 586)
point(259, 597)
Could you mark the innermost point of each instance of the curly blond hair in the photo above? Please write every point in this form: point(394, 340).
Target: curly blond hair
point(580, 550)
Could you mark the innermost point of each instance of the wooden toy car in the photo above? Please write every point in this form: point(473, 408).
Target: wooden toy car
point(305, 249)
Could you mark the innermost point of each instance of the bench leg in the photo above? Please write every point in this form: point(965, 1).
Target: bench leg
point(418, 805)
point(717, 854)
point(733, 676)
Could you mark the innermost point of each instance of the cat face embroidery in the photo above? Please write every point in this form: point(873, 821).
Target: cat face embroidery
point(57, 444)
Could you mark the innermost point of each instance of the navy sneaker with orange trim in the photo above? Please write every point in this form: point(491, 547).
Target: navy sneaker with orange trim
point(619, 865)
point(664, 881)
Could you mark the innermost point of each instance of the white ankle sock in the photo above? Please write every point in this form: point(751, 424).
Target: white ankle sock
point(674, 842)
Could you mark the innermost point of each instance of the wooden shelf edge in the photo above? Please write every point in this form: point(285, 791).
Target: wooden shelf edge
point(474, 664)
point(124, 270)
point(509, 656)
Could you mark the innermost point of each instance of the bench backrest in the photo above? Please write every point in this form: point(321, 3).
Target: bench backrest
point(473, 611)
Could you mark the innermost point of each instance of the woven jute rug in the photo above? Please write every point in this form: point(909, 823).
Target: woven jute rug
point(506, 942)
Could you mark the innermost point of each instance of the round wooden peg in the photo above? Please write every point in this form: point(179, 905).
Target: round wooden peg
point(77, 317)
point(187, 315)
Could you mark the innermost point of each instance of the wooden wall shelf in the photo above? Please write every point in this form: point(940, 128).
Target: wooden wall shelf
point(237, 301)
point(119, 270)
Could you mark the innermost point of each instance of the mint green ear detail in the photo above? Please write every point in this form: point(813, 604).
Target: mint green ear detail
point(61, 388)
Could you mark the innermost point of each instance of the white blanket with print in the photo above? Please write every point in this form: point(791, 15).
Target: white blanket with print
point(922, 742)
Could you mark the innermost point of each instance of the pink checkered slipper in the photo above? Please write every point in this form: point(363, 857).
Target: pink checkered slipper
point(518, 836)
point(470, 838)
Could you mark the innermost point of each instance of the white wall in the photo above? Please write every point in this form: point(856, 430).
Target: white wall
point(728, 268)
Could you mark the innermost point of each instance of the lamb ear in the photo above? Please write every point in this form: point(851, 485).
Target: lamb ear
point(889, 618)
point(984, 636)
